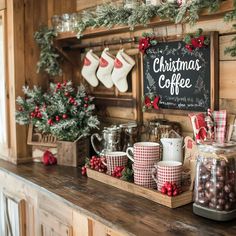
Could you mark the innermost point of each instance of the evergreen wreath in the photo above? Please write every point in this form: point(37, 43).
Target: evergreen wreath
point(63, 111)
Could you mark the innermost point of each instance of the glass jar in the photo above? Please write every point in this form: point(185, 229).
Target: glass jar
point(66, 24)
point(131, 3)
point(164, 130)
point(157, 129)
point(154, 131)
point(56, 23)
point(152, 2)
point(215, 183)
point(129, 135)
point(74, 20)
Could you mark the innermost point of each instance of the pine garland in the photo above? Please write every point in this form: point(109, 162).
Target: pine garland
point(109, 15)
point(49, 58)
point(62, 111)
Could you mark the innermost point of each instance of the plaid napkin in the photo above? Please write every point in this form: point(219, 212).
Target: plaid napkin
point(219, 118)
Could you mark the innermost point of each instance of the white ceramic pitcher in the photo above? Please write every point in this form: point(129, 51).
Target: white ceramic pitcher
point(172, 147)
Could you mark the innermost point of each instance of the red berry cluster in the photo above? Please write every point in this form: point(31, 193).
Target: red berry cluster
point(57, 118)
point(170, 189)
point(84, 170)
point(72, 101)
point(96, 164)
point(117, 172)
point(36, 113)
point(59, 86)
point(49, 158)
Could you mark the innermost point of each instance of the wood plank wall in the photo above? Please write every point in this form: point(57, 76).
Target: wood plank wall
point(2, 4)
point(24, 17)
point(227, 70)
point(31, 14)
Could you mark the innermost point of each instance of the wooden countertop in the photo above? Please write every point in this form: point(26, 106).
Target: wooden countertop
point(117, 209)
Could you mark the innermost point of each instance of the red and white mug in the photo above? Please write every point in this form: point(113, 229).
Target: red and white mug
point(167, 171)
point(114, 159)
point(143, 177)
point(144, 154)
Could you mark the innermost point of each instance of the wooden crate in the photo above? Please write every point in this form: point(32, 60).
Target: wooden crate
point(67, 153)
point(153, 195)
point(41, 143)
point(72, 153)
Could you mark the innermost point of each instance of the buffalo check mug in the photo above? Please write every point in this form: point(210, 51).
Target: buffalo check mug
point(143, 177)
point(144, 154)
point(167, 171)
point(114, 159)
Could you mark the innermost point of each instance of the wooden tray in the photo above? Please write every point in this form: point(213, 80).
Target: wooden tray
point(153, 195)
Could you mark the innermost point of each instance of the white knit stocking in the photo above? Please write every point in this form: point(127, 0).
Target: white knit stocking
point(106, 65)
point(91, 62)
point(122, 66)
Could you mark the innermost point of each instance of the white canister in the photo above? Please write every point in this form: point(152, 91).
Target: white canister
point(172, 148)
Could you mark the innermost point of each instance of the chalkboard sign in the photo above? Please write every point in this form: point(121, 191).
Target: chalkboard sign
point(181, 78)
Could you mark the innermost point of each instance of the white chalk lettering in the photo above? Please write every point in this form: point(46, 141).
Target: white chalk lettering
point(174, 84)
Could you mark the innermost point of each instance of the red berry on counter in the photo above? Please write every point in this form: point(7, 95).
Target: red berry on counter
point(167, 184)
point(163, 190)
point(169, 193)
point(175, 193)
point(83, 170)
point(169, 188)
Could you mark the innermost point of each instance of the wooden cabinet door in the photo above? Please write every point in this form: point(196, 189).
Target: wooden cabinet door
point(52, 226)
point(2, 4)
point(12, 213)
point(96, 228)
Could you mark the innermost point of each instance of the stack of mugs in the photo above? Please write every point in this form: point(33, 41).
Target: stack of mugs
point(144, 155)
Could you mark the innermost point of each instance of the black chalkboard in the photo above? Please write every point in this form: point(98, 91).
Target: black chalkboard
point(181, 78)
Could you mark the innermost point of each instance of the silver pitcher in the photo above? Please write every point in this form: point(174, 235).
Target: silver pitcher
point(109, 141)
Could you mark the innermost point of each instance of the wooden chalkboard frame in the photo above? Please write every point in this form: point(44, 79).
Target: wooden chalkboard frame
point(214, 73)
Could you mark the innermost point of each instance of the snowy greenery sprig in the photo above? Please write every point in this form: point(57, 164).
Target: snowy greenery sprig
point(49, 59)
point(109, 15)
point(63, 111)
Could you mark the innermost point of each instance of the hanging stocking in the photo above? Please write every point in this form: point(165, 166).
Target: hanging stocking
point(122, 66)
point(106, 65)
point(91, 62)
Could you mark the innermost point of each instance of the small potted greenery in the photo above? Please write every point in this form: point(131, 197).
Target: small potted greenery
point(63, 111)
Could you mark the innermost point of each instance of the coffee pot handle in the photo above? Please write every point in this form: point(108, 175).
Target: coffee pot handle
point(128, 150)
point(99, 138)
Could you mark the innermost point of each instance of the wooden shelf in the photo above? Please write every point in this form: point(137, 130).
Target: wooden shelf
point(156, 21)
